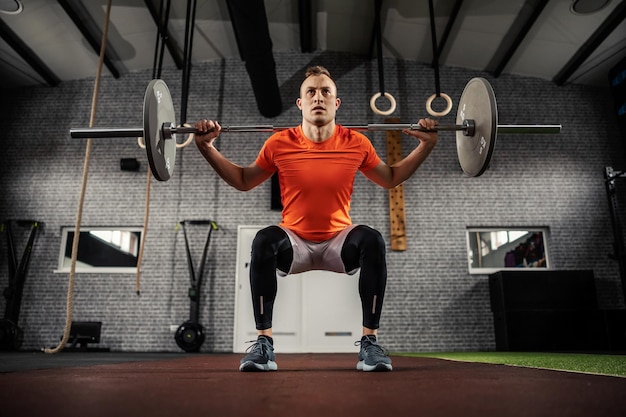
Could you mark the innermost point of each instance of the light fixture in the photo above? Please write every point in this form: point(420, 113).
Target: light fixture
point(11, 6)
point(584, 7)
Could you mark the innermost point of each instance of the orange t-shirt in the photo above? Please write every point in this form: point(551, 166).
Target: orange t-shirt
point(316, 179)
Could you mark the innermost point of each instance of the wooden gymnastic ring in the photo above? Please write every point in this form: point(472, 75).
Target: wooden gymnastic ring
point(376, 110)
point(189, 139)
point(429, 107)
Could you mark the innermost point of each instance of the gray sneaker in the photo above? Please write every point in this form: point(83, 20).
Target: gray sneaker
point(260, 357)
point(372, 356)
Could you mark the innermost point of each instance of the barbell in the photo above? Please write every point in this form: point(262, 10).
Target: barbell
point(476, 129)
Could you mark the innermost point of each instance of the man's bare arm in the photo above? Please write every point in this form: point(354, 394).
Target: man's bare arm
point(390, 176)
point(241, 178)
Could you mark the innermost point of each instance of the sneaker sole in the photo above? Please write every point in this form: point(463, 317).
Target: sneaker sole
point(379, 367)
point(250, 366)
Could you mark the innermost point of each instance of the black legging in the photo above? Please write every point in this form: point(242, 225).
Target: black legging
point(363, 248)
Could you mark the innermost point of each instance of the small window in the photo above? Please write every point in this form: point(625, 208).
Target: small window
point(496, 248)
point(101, 249)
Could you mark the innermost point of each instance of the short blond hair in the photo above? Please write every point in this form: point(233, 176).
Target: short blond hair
point(317, 70)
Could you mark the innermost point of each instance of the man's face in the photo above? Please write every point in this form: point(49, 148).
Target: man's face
point(318, 100)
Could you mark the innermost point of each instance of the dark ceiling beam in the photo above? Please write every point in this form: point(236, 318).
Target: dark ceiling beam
point(27, 55)
point(90, 30)
point(526, 18)
point(172, 46)
point(306, 26)
point(604, 30)
point(249, 21)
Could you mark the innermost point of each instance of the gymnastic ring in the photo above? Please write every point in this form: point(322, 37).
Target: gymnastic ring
point(429, 107)
point(189, 139)
point(142, 145)
point(392, 102)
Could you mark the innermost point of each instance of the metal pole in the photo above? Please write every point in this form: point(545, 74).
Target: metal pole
point(106, 132)
point(619, 248)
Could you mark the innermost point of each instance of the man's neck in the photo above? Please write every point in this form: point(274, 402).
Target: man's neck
point(318, 133)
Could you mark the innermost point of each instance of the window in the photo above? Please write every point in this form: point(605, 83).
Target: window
point(101, 249)
point(496, 248)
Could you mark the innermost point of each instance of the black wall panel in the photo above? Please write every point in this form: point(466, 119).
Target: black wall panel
point(547, 311)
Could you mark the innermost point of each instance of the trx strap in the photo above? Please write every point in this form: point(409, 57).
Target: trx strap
point(433, 36)
point(435, 64)
point(196, 280)
point(11, 335)
point(381, 72)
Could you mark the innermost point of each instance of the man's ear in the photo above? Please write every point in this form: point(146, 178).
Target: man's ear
point(299, 103)
point(337, 103)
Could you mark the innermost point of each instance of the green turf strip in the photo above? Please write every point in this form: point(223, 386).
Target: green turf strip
point(614, 365)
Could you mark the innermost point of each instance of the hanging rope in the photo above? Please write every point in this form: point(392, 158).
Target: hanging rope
point(143, 235)
point(79, 214)
point(381, 74)
point(438, 93)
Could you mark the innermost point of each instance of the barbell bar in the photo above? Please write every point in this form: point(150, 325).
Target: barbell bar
point(170, 131)
point(476, 129)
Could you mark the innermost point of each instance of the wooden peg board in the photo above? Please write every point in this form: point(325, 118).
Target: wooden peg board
point(397, 215)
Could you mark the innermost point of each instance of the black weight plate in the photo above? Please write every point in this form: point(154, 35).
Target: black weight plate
point(190, 336)
point(157, 110)
point(477, 103)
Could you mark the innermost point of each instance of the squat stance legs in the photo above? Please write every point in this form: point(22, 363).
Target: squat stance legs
point(363, 248)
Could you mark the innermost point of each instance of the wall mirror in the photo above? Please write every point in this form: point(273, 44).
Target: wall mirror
point(101, 249)
point(496, 248)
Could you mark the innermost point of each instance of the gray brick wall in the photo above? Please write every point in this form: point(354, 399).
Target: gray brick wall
point(432, 302)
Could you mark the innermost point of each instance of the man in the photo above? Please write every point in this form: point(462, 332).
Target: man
point(316, 164)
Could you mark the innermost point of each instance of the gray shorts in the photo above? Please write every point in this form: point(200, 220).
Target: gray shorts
point(324, 255)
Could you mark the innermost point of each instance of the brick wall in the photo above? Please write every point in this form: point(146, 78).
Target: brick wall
point(432, 302)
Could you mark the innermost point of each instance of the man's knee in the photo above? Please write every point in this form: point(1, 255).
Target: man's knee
point(363, 242)
point(265, 242)
point(367, 238)
point(375, 240)
point(272, 244)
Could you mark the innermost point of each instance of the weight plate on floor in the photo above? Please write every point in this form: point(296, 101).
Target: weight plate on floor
point(157, 110)
point(190, 336)
point(478, 103)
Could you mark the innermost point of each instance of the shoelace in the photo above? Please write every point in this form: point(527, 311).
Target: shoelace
point(372, 346)
point(257, 346)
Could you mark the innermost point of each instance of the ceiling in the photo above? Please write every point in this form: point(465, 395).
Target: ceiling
point(48, 41)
